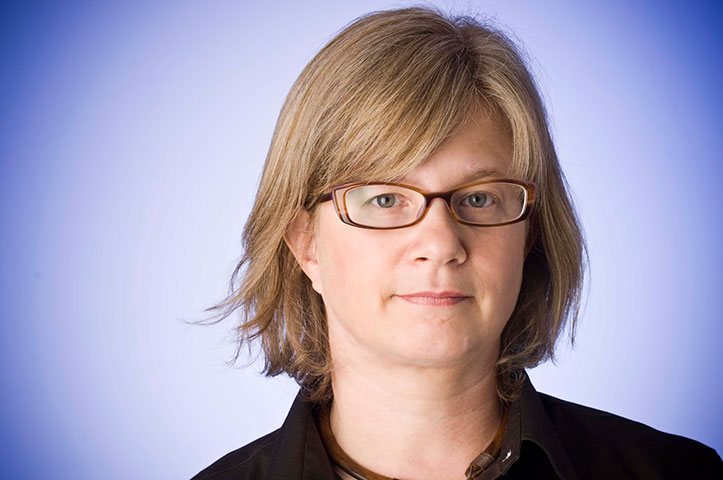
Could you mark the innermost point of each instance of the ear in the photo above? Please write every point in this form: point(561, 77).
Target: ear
point(299, 237)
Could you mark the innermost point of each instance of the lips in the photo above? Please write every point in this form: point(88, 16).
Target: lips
point(435, 298)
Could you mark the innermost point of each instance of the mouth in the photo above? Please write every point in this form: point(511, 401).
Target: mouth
point(436, 299)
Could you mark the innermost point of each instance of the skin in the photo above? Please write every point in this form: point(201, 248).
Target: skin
point(415, 317)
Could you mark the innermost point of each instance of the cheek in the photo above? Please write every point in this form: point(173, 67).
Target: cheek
point(352, 266)
point(499, 264)
point(334, 261)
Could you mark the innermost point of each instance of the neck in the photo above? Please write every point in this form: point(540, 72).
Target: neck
point(413, 422)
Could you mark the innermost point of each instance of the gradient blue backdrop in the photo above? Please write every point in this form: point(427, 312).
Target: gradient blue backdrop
point(131, 140)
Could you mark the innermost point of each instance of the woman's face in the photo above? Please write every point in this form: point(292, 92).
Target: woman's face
point(436, 294)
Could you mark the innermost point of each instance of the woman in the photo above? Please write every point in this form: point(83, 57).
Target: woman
point(412, 249)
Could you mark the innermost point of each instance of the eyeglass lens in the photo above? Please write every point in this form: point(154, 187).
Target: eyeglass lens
point(385, 206)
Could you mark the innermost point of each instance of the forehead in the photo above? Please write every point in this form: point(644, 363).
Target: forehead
point(480, 149)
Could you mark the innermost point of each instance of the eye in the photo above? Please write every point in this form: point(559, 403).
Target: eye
point(478, 200)
point(385, 200)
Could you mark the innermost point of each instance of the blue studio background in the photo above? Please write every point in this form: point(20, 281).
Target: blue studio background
point(132, 136)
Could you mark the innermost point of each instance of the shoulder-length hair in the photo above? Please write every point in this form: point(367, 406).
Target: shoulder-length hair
point(374, 103)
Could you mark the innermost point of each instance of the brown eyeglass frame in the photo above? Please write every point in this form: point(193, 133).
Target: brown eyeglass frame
point(341, 210)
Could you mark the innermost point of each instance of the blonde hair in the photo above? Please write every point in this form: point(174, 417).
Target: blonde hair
point(374, 103)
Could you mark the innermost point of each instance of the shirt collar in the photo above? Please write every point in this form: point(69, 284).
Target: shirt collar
point(298, 451)
point(537, 427)
point(529, 422)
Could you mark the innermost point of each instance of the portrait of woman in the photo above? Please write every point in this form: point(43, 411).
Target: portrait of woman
point(412, 249)
point(361, 240)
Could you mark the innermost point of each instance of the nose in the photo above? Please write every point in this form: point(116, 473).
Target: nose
point(437, 237)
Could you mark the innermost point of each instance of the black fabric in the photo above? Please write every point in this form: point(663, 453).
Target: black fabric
point(546, 438)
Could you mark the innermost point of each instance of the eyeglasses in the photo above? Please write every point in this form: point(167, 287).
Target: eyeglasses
point(390, 205)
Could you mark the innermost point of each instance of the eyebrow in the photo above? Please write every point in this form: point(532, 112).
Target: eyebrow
point(482, 173)
point(476, 174)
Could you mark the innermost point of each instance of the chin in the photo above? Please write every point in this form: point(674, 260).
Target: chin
point(438, 351)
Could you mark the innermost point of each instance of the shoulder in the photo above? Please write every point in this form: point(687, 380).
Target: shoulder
point(293, 451)
point(251, 461)
point(600, 440)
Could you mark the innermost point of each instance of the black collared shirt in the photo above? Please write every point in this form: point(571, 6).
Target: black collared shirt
point(546, 438)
